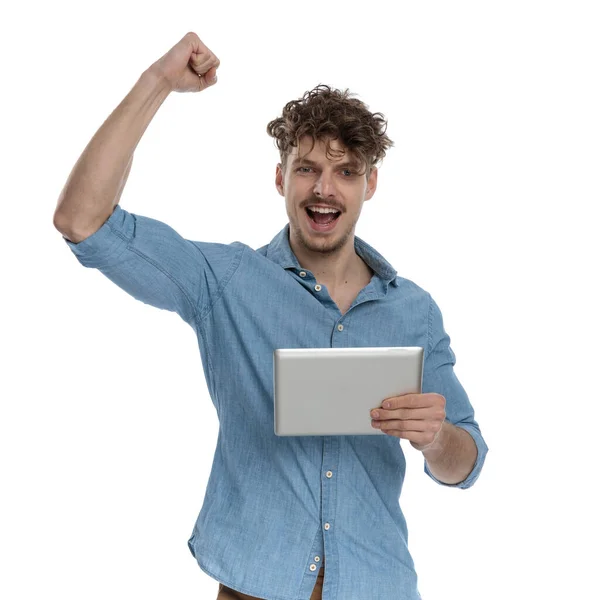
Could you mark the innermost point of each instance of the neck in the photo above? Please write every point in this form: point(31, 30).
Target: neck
point(337, 269)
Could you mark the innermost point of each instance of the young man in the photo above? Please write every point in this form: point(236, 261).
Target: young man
point(275, 507)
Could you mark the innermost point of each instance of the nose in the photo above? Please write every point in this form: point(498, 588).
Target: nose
point(324, 187)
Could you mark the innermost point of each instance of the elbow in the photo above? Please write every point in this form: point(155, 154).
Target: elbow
point(59, 222)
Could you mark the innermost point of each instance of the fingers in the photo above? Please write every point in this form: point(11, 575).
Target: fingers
point(405, 425)
point(205, 69)
point(200, 69)
point(408, 413)
point(210, 76)
point(202, 60)
point(190, 66)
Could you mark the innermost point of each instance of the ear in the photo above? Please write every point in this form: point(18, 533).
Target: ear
point(279, 179)
point(371, 184)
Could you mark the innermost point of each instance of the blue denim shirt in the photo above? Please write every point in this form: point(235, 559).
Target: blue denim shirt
point(277, 506)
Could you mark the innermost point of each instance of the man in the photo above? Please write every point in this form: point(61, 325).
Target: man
point(276, 507)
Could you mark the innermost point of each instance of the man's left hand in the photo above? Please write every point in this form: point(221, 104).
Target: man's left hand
point(415, 417)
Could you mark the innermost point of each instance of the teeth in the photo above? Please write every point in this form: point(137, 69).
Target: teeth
point(320, 209)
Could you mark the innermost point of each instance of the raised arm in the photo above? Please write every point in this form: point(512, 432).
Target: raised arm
point(96, 182)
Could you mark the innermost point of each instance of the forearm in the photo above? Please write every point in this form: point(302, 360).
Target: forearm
point(453, 455)
point(95, 184)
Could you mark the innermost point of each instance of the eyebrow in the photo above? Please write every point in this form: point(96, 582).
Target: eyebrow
point(305, 161)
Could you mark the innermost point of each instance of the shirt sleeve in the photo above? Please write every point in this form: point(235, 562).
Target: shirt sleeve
point(439, 377)
point(153, 263)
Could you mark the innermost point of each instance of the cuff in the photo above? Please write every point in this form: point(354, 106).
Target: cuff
point(104, 246)
point(482, 450)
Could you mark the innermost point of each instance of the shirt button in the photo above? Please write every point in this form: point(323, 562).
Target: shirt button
point(313, 567)
point(302, 273)
point(317, 558)
point(327, 526)
point(318, 287)
point(329, 474)
point(340, 327)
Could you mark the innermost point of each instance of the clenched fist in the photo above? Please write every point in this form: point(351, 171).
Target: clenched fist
point(189, 66)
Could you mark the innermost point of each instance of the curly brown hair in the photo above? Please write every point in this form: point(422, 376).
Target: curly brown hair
point(326, 113)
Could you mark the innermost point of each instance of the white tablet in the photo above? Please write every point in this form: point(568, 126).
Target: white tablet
point(331, 391)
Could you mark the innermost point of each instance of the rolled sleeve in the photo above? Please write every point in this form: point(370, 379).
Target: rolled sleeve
point(150, 261)
point(482, 450)
point(104, 247)
point(439, 377)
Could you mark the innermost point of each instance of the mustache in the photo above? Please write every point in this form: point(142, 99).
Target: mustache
point(318, 201)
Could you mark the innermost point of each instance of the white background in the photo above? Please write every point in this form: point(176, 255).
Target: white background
point(487, 200)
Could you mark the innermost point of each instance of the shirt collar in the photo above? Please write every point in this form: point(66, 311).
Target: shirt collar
point(280, 252)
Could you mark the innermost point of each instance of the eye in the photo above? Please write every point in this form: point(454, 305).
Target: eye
point(350, 173)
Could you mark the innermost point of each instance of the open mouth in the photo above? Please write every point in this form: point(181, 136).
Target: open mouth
point(322, 220)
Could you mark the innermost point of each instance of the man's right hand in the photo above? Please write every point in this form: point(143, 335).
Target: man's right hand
point(188, 66)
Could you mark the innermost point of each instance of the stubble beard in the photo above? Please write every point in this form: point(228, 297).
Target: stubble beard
point(324, 246)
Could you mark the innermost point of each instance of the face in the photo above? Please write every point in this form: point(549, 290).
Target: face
point(331, 182)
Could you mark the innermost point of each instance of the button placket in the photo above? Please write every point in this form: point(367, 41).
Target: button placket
point(314, 567)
